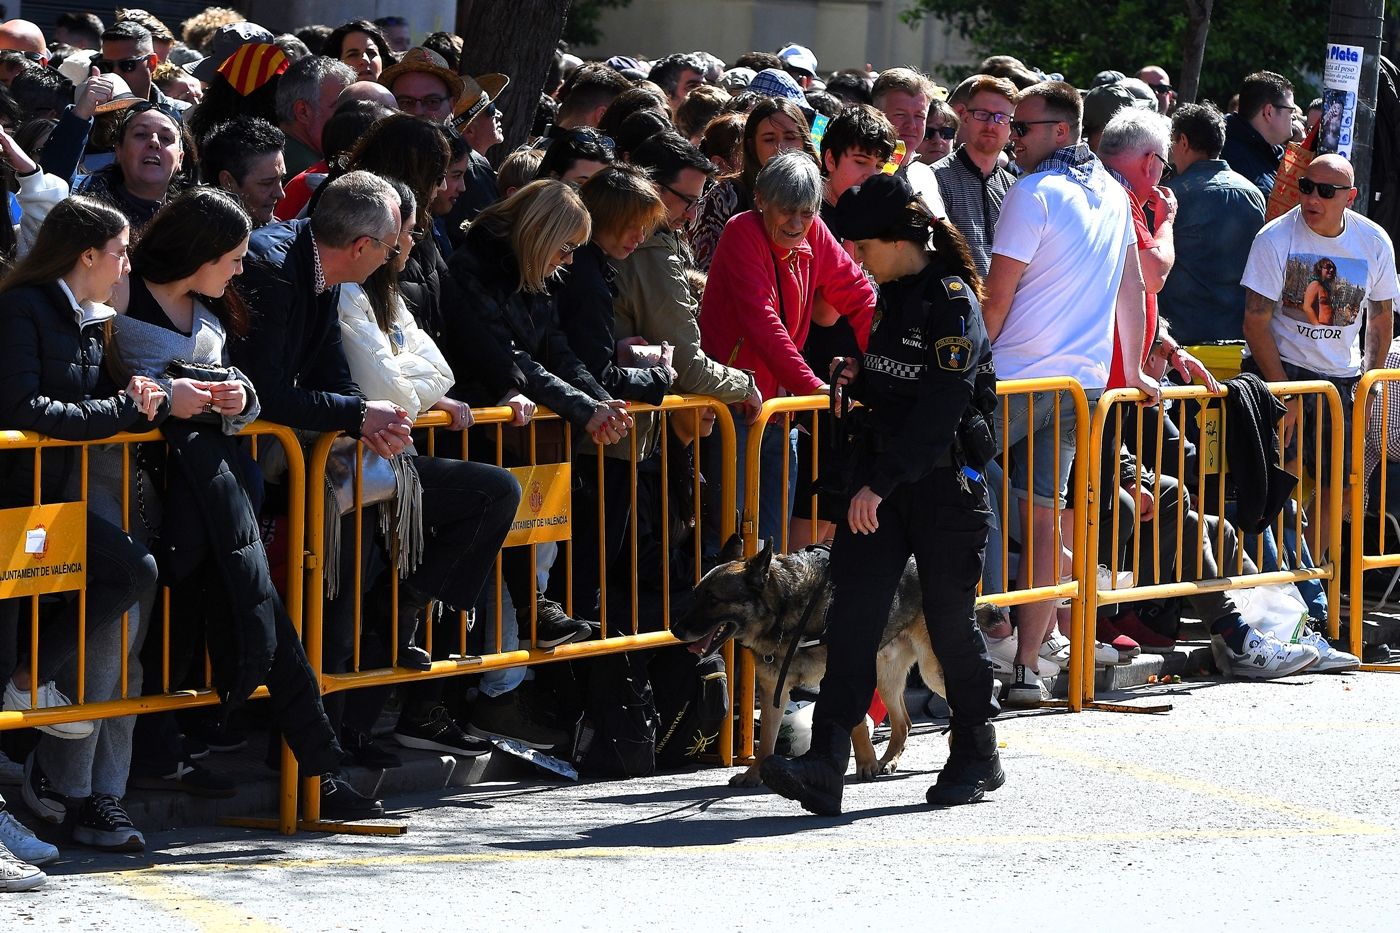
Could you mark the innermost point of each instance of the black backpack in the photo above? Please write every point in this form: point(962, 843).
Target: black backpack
point(692, 701)
point(618, 736)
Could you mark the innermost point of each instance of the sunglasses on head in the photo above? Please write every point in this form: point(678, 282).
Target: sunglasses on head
point(947, 132)
point(125, 65)
point(1325, 191)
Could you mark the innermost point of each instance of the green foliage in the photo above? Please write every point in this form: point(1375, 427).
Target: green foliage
point(581, 25)
point(1079, 38)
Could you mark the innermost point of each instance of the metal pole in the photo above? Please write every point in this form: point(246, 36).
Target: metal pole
point(1360, 23)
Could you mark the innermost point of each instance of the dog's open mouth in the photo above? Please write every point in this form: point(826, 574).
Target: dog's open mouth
point(716, 636)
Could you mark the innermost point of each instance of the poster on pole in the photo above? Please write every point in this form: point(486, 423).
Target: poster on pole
point(1340, 81)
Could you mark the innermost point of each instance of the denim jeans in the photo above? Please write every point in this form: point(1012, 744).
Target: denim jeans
point(775, 502)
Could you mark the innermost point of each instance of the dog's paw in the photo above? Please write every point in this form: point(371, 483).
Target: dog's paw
point(867, 771)
point(747, 778)
point(889, 765)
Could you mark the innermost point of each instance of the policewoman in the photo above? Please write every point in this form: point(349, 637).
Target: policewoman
point(913, 474)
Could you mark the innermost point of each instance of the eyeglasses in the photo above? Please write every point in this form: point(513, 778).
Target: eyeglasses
point(947, 132)
point(1325, 191)
point(990, 116)
point(124, 255)
point(1022, 127)
point(390, 252)
point(125, 65)
point(429, 102)
point(690, 203)
point(1163, 88)
point(416, 236)
point(1165, 163)
point(567, 249)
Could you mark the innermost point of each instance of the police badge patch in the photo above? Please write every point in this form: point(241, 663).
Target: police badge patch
point(953, 353)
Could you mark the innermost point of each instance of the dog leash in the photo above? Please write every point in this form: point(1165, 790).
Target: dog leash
point(797, 636)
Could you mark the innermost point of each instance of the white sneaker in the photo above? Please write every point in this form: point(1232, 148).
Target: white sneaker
point(1055, 649)
point(22, 843)
point(1002, 651)
point(17, 700)
point(1108, 580)
point(1265, 657)
point(1025, 689)
point(1331, 660)
point(16, 875)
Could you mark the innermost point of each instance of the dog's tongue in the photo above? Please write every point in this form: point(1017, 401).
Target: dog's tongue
point(703, 645)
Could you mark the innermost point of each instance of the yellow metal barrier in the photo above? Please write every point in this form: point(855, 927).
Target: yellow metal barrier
point(1212, 420)
point(1381, 386)
point(462, 661)
point(170, 699)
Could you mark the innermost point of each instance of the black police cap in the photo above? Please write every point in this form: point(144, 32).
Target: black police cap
point(875, 208)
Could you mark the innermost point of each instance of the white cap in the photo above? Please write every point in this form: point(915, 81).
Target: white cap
point(799, 57)
point(77, 65)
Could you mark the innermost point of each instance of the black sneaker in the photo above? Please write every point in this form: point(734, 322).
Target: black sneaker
point(216, 738)
point(438, 732)
point(812, 783)
point(509, 717)
point(103, 824)
point(187, 778)
point(340, 801)
point(195, 748)
point(365, 752)
point(553, 627)
point(43, 801)
point(972, 769)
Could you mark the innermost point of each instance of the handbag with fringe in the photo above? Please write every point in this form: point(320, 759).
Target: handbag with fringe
point(391, 484)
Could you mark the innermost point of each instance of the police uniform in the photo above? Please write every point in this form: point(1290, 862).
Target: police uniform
point(917, 381)
point(923, 386)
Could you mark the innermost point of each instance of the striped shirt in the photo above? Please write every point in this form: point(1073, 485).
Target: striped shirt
point(973, 201)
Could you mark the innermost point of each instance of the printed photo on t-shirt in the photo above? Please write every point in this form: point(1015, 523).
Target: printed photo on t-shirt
point(1323, 290)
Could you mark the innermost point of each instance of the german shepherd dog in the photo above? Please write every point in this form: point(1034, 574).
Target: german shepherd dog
point(759, 602)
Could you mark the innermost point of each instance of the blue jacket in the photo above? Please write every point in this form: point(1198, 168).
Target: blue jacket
point(1219, 211)
point(1250, 154)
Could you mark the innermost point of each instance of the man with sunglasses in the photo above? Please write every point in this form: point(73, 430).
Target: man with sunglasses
point(128, 50)
point(971, 178)
point(1064, 280)
point(1155, 77)
point(1313, 277)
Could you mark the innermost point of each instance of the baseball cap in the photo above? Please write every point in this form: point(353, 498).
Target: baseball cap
point(228, 40)
point(1101, 103)
point(799, 57)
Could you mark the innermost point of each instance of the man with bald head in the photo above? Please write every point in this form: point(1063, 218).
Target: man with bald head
point(1313, 277)
point(371, 91)
point(1155, 77)
point(23, 36)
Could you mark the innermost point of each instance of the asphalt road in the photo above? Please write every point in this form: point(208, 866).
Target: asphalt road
point(1247, 807)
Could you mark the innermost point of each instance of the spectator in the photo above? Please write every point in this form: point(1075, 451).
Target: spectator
point(723, 143)
point(257, 66)
point(314, 36)
point(757, 310)
point(41, 94)
point(1102, 104)
point(587, 95)
point(26, 38)
point(243, 156)
point(128, 50)
point(1065, 227)
point(1012, 69)
point(1254, 136)
point(800, 63)
point(856, 145)
point(54, 307)
point(396, 31)
point(476, 115)
point(371, 92)
point(1314, 276)
point(758, 61)
point(939, 132)
point(79, 30)
point(1156, 77)
point(446, 198)
point(448, 45)
point(198, 31)
point(306, 98)
point(972, 179)
point(519, 169)
point(177, 83)
point(423, 85)
point(361, 46)
point(1219, 213)
point(162, 39)
point(702, 106)
point(575, 156)
point(904, 95)
point(630, 101)
point(852, 87)
point(347, 125)
point(775, 125)
point(637, 129)
point(677, 75)
point(150, 152)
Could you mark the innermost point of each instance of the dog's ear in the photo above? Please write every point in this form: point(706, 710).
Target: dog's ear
point(733, 549)
point(757, 567)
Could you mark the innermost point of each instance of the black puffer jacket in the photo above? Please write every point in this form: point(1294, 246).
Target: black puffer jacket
point(496, 324)
point(52, 381)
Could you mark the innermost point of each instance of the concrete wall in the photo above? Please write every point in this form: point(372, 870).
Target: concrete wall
point(842, 33)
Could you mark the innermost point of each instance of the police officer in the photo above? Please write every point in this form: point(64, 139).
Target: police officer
point(915, 472)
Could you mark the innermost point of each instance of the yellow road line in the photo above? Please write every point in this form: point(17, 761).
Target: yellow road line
point(201, 913)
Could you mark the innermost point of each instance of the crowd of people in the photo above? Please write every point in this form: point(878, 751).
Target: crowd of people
point(320, 229)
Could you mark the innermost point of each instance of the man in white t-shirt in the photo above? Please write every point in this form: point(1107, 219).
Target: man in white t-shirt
point(1064, 279)
point(1313, 276)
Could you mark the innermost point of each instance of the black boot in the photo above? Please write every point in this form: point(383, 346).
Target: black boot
point(811, 781)
point(412, 605)
point(972, 769)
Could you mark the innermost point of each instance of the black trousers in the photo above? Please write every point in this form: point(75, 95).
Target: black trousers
point(617, 509)
point(944, 527)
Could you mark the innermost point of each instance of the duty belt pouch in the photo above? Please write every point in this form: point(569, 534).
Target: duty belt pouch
point(841, 451)
point(978, 445)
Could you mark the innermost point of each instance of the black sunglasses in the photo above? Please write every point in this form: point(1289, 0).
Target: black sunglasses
point(947, 132)
point(1163, 88)
point(125, 65)
point(1022, 127)
point(1325, 191)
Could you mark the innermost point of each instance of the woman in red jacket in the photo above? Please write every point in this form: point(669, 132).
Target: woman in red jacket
point(771, 267)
